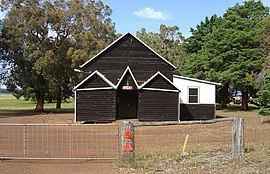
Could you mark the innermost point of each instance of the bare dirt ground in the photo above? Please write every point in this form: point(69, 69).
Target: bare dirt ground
point(157, 149)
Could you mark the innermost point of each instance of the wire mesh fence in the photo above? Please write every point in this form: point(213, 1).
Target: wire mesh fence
point(59, 141)
point(203, 137)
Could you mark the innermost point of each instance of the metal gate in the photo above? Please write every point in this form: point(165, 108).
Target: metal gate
point(59, 141)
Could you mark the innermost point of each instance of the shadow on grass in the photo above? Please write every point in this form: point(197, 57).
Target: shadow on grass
point(235, 107)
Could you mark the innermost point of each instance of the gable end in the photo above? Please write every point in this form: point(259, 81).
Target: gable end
point(159, 82)
point(120, 38)
point(95, 80)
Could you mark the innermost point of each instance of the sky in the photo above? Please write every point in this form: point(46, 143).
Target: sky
point(132, 15)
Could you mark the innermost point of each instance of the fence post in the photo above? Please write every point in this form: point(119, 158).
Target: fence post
point(128, 146)
point(238, 137)
point(24, 142)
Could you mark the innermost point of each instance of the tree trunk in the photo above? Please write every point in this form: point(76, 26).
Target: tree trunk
point(50, 98)
point(40, 100)
point(59, 98)
point(223, 94)
point(244, 104)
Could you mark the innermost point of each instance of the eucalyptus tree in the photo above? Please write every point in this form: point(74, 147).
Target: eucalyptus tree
point(167, 42)
point(47, 39)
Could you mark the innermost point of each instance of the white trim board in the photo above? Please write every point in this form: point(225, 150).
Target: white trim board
point(98, 74)
point(159, 89)
point(123, 75)
point(102, 51)
point(198, 95)
point(93, 89)
point(75, 107)
point(151, 78)
point(162, 58)
point(197, 80)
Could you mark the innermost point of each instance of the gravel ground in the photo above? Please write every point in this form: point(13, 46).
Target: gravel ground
point(217, 160)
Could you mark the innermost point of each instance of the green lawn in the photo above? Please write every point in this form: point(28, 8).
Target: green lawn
point(9, 103)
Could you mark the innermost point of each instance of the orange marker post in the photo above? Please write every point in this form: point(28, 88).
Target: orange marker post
point(128, 148)
point(128, 135)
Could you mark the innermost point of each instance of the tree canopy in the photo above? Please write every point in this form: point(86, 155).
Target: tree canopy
point(167, 42)
point(227, 49)
point(45, 40)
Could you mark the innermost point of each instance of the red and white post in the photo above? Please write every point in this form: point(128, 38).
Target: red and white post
point(128, 145)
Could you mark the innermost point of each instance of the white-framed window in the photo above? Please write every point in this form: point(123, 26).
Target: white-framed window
point(193, 94)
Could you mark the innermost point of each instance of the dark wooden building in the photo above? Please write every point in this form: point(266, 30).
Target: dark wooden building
point(127, 80)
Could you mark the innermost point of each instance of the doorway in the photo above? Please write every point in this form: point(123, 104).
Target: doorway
point(127, 104)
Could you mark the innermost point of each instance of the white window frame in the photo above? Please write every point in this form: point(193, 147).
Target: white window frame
point(193, 87)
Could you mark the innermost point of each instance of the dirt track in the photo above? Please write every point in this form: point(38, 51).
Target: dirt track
point(208, 138)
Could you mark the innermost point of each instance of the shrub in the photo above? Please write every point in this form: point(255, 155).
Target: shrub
point(264, 111)
point(263, 98)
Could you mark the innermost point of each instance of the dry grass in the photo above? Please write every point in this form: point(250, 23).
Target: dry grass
point(195, 162)
point(208, 150)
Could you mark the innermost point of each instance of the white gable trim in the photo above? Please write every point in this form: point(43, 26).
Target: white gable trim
point(151, 78)
point(165, 60)
point(197, 80)
point(123, 75)
point(98, 74)
point(103, 50)
point(93, 89)
point(159, 89)
point(162, 58)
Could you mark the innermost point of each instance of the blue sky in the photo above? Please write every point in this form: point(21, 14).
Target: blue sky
point(132, 15)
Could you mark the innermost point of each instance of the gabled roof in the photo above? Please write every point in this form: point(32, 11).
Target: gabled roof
point(98, 74)
point(132, 76)
point(196, 80)
point(162, 58)
point(155, 75)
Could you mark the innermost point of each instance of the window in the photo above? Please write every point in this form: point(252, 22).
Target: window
point(193, 95)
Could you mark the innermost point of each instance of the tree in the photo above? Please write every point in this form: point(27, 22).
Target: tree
point(263, 78)
point(230, 51)
point(39, 36)
point(204, 55)
point(167, 42)
point(245, 22)
point(265, 46)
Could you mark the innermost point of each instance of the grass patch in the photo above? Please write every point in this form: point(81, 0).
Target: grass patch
point(259, 151)
point(8, 103)
point(152, 160)
point(140, 161)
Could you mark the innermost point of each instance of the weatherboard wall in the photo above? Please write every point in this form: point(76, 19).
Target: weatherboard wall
point(96, 105)
point(197, 111)
point(128, 51)
point(157, 105)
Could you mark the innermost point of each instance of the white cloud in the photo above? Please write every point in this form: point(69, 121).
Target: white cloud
point(151, 13)
point(2, 14)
